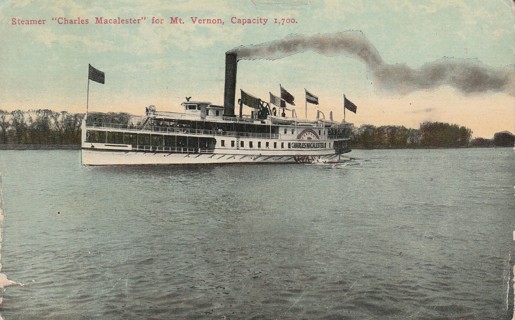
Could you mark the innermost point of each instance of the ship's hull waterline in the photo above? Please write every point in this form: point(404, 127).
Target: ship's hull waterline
point(112, 158)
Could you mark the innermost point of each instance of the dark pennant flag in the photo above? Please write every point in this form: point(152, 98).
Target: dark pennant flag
point(250, 100)
point(96, 75)
point(287, 96)
point(347, 104)
point(311, 98)
point(276, 100)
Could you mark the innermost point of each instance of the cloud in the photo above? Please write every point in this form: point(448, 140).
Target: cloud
point(467, 76)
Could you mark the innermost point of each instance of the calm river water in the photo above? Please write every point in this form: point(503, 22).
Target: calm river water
point(401, 234)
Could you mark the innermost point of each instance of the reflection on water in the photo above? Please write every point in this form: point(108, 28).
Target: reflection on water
point(401, 234)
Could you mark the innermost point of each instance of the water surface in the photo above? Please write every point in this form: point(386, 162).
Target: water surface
point(402, 234)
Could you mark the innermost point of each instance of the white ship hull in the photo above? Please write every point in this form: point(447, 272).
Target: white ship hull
point(108, 158)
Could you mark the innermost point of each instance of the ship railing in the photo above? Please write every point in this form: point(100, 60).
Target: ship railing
point(149, 148)
point(337, 136)
point(179, 130)
point(111, 125)
point(170, 114)
point(245, 119)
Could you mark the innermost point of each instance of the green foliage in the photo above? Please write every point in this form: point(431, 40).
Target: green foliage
point(481, 143)
point(110, 117)
point(47, 127)
point(41, 126)
point(429, 135)
point(504, 139)
point(369, 136)
point(444, 135)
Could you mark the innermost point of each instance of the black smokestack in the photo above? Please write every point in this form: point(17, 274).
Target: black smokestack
point(465, 75)
point(231, 66)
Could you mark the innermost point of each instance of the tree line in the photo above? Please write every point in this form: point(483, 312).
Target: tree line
point(429, 135)
point(47, 127)
point(42, 126)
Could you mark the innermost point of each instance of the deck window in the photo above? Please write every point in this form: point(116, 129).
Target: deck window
point(96, 136)
point(143, 139)
point(275, 145)
point(267, 144)
point(289, 145)
point(182, 142)
point(223, 143)
point(282, 145)
point(285, 131)
point(251, 144)
point(157, 141)
point(259, 144)
point(242, 144)
point(129, 138)
point(115, 137)
point(170, 141)
point(232, 143)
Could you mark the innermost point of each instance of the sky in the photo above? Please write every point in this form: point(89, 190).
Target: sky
point(46, 65)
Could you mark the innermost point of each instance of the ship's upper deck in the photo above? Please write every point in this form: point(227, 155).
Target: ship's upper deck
point(204, 118)
point(205, 111)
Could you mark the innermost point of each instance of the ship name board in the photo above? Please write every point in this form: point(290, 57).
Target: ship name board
point(308, 145)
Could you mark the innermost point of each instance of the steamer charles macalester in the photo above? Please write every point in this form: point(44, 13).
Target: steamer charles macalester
point(205, 133)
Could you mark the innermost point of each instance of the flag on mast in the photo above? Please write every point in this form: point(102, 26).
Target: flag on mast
point(287, 96)
point(276, 100)
point(349, 105)
point(311, 98)
point(96, 75)
point(250, 100)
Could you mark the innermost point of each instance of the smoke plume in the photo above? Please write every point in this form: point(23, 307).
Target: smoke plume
point(465, 75)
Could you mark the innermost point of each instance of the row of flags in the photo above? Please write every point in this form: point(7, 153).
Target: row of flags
point(286, 97)
point(247, 99)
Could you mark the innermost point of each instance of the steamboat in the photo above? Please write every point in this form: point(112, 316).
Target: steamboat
point(205, 133)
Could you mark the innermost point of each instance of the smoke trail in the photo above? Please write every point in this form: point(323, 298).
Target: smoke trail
point(464, 75)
